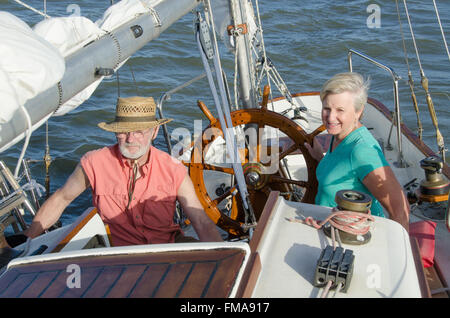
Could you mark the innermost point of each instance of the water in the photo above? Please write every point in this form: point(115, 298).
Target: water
point(307, 43)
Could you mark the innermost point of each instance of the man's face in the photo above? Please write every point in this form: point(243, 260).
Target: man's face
point(135, 144)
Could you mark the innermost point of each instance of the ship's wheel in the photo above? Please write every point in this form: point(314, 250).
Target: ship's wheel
point(261, 163)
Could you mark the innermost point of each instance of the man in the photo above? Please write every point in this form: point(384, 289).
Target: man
point(134, 185)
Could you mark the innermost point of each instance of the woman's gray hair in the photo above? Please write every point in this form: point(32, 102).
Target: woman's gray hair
point(347, 82)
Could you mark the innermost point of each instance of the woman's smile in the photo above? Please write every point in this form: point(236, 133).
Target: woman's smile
point(339, 115)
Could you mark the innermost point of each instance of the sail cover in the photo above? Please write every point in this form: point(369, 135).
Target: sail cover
point(108, 51)
point(69, 34)
point(29, 65)
point(124, 11)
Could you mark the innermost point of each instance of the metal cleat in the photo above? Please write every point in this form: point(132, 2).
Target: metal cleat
point(336, 266)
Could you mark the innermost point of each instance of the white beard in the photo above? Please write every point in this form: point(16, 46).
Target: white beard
point(142, 151)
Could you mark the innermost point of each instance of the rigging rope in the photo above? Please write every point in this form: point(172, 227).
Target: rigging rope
point(355, 223)
point(44, 14)
point(47, 161)
point(223, 109)
point(442, 30)
point(424, 82)
point(410, 79)
point(27, 140)
point(225, 121)
point(263, 50)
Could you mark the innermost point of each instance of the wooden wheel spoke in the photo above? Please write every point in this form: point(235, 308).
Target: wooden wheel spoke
point(277, 179)
point(288, 151)
point(253, 158)
point(258, 141)
point(317, 131)
point(218, 168)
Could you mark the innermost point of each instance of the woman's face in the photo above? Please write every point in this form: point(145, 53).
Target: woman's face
point(339, 115)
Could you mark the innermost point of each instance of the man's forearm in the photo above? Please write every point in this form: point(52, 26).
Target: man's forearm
point(206, 229)
point(47, 215)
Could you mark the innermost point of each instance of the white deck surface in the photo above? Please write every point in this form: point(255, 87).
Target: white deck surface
point(384, 267)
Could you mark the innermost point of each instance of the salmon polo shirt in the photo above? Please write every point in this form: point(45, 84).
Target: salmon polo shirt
point(149, 217)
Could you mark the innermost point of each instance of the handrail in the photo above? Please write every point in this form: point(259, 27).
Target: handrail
point(400, 161)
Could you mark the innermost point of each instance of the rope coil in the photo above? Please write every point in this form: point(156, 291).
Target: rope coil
point(355, 223)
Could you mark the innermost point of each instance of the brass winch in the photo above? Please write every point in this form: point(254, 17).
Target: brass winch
point(355, 201)
point(352, 200)
point(435, 187)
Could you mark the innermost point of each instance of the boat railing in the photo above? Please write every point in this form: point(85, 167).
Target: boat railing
point(401, 163)
point(166, 96)
point(13, 200)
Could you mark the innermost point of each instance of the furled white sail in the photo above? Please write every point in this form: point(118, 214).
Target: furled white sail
point(109, 51)
point(69, 34)
point(123, 11)
point(29, 65)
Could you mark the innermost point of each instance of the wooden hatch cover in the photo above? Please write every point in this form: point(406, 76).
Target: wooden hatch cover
point(170, 274)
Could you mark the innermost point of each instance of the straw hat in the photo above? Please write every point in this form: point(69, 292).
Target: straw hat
point(134, 113)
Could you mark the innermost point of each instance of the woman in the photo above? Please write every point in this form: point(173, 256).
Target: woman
point(354, 159)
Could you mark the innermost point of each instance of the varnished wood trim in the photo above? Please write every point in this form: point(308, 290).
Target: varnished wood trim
point(263, 220)
point(250, 277)
point(184, 273)
point(253, 268)
point(423, 284)
point(441, 276)
point(108, 233)
point(75, 231)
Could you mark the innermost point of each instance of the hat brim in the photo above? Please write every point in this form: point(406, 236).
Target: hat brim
point(118, 127)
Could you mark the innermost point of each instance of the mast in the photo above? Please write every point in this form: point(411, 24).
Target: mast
point(238, 9)
point(82, 67)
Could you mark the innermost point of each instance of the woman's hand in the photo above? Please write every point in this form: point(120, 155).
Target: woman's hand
point(316, 151)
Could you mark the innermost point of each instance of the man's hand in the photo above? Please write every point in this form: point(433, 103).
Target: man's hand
point(203, 225)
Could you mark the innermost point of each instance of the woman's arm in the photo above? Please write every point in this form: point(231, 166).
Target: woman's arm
point(384, 186)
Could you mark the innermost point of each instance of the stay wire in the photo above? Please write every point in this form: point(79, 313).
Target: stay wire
point(424, 82)
point(412, 36)
point(44, 14)
point(410, 78)
point(260, 29)
point(442, 30)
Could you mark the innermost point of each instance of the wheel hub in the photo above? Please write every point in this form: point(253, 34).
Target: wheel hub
point(254, 175)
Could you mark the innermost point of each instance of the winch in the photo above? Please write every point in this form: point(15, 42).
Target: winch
point(356, 201)
point(435, 187)
point(334, 268)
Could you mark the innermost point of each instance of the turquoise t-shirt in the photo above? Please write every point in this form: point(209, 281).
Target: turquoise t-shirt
point(346, 167)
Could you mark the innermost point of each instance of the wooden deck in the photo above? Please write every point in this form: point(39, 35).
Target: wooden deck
point(199, 273)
